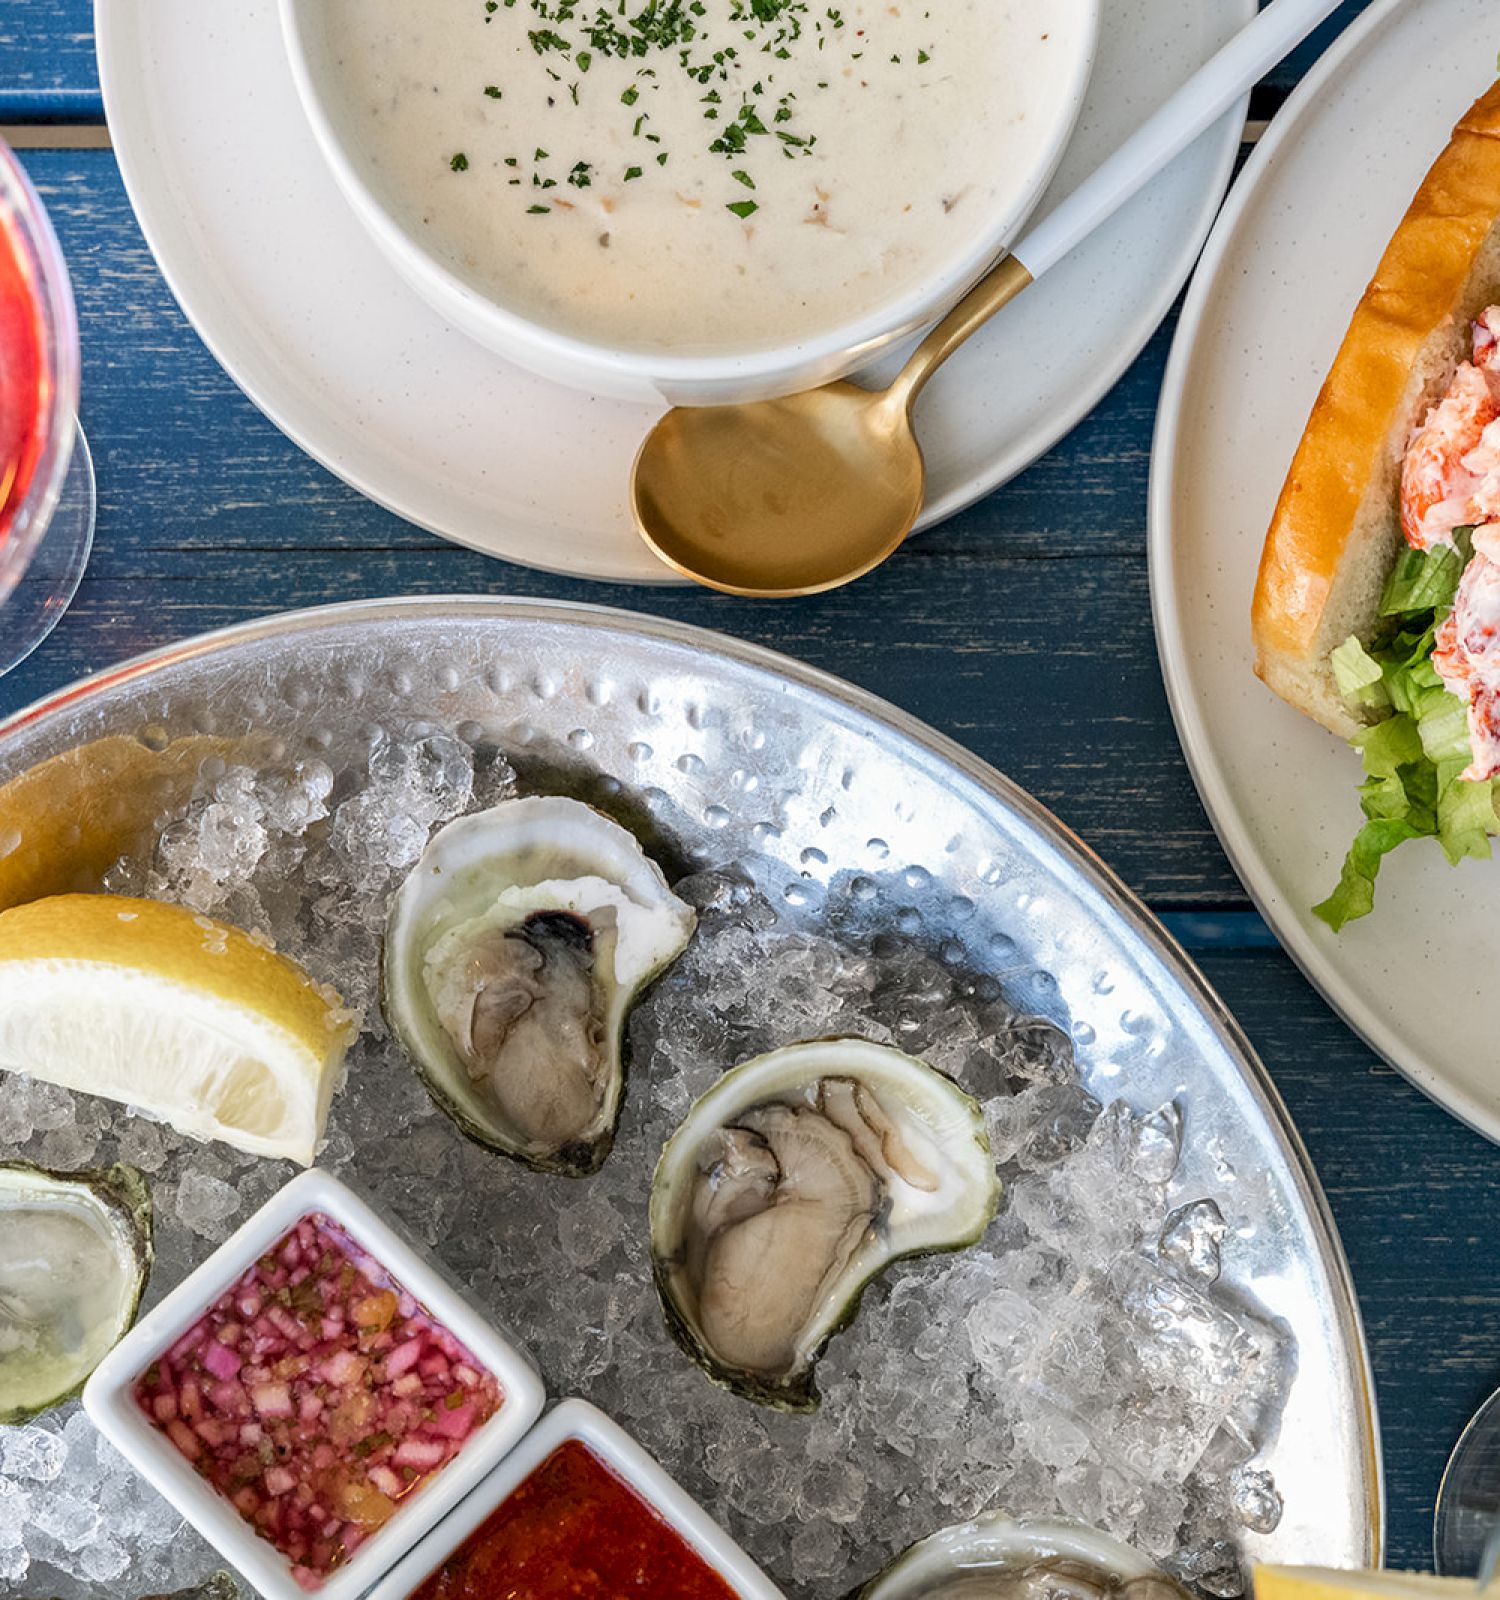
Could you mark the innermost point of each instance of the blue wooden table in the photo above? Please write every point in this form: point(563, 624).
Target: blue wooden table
point(1021, 628)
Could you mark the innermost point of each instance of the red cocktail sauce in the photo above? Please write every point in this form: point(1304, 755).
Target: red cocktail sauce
point(574, 1531)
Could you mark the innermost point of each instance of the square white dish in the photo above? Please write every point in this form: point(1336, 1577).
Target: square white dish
point(577, 1419)
point(109, 1401)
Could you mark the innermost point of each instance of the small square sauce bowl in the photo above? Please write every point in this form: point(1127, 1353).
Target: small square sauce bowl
point(323, 1373)
point(548, 1491)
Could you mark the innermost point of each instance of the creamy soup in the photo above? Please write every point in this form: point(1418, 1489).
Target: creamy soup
point(700, 175)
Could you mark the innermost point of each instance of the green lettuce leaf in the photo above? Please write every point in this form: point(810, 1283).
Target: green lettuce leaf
point(1426, 580)
point(1355, 895)
point(1360, 678)
point(1413, 757)
point(1388, 746)
point(1466, 816)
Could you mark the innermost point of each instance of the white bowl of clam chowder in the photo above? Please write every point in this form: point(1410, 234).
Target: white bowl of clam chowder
point(695, 201)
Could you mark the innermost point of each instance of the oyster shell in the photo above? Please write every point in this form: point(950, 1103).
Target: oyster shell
point(217, 1586)
point(75, 1253)
point(996, 1557)
point(795, 1180)
point(514, 950)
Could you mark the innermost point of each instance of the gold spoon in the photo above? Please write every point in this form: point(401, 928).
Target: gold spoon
point(801, 494)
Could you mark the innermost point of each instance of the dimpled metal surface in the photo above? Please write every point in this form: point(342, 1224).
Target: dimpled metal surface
point(851, 814)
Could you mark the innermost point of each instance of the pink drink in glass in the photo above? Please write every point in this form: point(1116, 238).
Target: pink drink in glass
point(38, 375)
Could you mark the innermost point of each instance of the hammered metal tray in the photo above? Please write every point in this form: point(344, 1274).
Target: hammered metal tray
point(721, 752)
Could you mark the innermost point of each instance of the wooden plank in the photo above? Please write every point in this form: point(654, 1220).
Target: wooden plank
point(55, 135)
point(1206, 932)
point(1283, 78)
point(47, 64)
point(1413, 1193)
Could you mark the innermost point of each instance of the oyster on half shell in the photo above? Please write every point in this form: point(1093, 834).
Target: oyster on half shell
point(75, 1253)
point(795, 1180)
point(513, 952)
point(998, 1557)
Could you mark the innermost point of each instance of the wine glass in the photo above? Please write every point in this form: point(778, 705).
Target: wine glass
point(1466, 1523)
point(46, 476)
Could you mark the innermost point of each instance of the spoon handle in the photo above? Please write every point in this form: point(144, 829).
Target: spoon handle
point(1195, 107)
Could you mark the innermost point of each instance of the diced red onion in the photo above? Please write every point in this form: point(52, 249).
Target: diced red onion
point(404, 1357)
point(337, 1405)
point(272, 1399)
point(221, 1360)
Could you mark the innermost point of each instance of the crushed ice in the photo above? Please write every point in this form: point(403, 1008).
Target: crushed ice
point(1084, 1358)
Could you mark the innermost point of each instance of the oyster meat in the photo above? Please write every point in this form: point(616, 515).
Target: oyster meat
point(513, 953)
point(75, 1252)
point(795, 1180)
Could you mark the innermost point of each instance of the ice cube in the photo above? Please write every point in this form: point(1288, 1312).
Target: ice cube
point(1183, 1338)
point(73, 1522)
point(205, 1203)
point(15, 1514)
point(589, 1231)
point(1256, 1499)
point(103, 1559)
point(818, 1551)
point(291, 801)
point(33, 1453)
point(68, 1148)
point(1191, 1240)
point(1002, 1328)
point(142, 1143)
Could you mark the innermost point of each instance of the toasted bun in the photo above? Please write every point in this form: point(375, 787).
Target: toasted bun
point(1337, 526)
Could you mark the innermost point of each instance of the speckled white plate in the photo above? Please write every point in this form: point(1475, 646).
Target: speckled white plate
point(281, 281)
point(1286, 265)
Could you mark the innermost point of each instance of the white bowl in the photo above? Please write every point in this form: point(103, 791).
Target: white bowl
point(109, 1401)
point(1006, 1542)
point(653, 376)
point(576, 1419)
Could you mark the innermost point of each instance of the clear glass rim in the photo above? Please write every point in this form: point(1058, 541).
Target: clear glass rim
point(40, 257)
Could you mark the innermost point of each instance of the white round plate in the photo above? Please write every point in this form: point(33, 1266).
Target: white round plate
point(285, 288)
point(1287, 263)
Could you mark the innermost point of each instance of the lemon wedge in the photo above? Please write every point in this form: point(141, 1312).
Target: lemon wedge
point(65, 821)
point(185, 1017)
point(1328, 1583)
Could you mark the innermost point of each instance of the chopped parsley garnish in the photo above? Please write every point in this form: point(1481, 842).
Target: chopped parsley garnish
point(460, 162)
point(741, 100)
